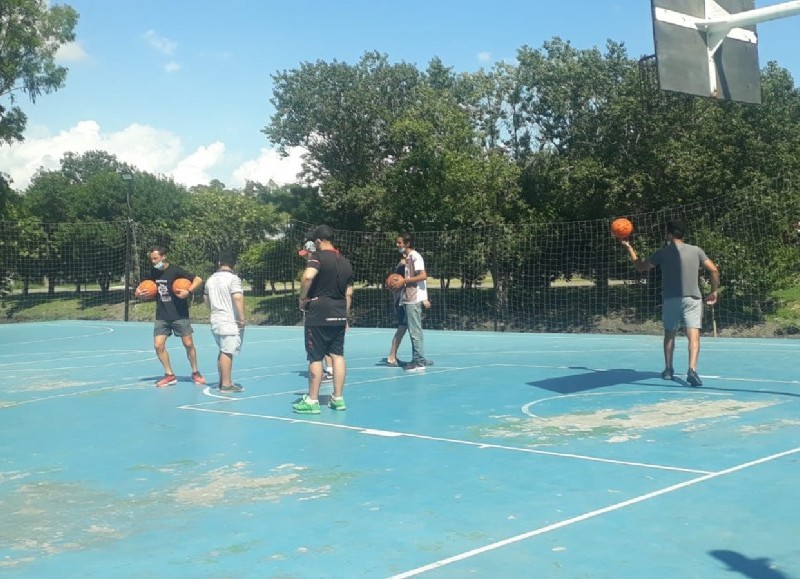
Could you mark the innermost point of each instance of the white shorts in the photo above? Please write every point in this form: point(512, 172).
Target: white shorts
point(229, 344)
point(686, 310)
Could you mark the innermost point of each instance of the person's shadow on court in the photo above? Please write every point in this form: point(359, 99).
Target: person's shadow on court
point(753, 568)
point(593, 379)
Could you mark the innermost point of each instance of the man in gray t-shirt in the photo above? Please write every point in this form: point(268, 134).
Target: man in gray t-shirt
point(682, 301)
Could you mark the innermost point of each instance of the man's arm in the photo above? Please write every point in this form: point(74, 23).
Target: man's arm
point(348, 298)
point(711, 267)
point(238, 303)
point(196, 283)
point(305, 285)
point(638, 263)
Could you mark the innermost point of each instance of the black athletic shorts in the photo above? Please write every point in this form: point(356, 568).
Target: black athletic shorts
point(324, 340)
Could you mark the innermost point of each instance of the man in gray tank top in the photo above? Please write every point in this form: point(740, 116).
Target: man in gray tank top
point(682, 301)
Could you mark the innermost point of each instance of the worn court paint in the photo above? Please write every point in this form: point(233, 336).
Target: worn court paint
point(103, 475)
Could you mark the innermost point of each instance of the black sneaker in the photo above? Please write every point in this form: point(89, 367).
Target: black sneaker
point(414, 367)
point(667, 374)
point(327, 376)
point(693, 379)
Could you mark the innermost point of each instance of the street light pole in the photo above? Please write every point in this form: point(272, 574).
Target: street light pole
point(128, 178)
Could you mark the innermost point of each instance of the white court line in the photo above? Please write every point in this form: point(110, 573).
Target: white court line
point(12, 404)
point(481, 445)
point(589, 515)
point(108, 331)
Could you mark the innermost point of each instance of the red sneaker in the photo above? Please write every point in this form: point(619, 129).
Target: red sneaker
point(197, 378)
point(167, 380)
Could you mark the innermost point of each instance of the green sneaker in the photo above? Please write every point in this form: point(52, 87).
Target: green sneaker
point(306, 406)
point(337, 404)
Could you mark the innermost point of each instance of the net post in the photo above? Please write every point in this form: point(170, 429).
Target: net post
point(126, 291)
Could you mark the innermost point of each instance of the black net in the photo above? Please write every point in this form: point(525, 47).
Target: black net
point(543, 277)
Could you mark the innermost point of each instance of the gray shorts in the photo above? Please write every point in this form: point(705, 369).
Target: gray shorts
point(686, 310)
point(229, 344)
point(178, 327)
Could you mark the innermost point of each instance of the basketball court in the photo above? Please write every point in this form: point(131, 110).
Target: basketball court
point(515, 455)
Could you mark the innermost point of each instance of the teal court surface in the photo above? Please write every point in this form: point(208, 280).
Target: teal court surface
point(515, 455)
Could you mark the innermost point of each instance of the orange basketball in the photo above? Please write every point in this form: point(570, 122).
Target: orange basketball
point(392, 279)
point(147, 289)
point(621, 228)
point(181, 284)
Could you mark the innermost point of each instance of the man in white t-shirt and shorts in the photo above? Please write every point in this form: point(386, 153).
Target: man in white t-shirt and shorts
point(223, 294)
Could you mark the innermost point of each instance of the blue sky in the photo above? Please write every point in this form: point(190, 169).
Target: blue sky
point(182, 87)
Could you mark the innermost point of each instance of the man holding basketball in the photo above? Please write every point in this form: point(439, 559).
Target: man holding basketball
point(414, 293)
point(682, 301)
point(326, 294)
point(172, 314)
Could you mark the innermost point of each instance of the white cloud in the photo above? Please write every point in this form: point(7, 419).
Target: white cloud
point(155, 151)
point(193, 170)
point(484, 56)
point(149, 149)
point(71, 52)
point(172, 66)
point(160, 43)
point(271, 166)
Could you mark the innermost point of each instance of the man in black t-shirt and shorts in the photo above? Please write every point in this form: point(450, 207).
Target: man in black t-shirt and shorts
point(326, 293)
point(172, 314)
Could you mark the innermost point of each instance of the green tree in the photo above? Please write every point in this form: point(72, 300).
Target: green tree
point(341, 114)
point(31, 32)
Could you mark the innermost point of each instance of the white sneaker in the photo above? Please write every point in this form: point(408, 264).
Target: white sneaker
point(415, 367)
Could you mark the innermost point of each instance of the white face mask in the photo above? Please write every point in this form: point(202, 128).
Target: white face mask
point(402, 250)
point(159, 266)
point(310, 246)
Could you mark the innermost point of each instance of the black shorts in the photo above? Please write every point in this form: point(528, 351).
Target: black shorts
point(323, 340)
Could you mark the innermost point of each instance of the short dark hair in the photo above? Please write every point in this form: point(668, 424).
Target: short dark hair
point(159, 248)
point(676, 228)
point(322, 232)
point(227, 258)
point(408, 238)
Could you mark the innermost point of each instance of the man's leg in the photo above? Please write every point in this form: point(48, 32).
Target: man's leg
point(669, 348)
point(339, 374)
point(224, 367)
point(414, 321)
point(397, 339)
point(191, 351)
point(693, 334)
point(160, 346)
point(315, 378)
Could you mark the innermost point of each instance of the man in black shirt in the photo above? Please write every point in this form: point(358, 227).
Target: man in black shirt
point(326, 293)
point(172, 314)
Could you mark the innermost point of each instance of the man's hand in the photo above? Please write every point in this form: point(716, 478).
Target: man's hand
point(711, 298)
point(182, 293)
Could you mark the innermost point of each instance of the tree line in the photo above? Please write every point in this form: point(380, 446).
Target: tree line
point(559, 135)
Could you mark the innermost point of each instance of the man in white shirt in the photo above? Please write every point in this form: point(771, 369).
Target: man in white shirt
point(223, 294)
point(415, 292)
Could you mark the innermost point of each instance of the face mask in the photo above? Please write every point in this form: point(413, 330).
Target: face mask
point(310, 246)
point(402, 250)
point(159, 266)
